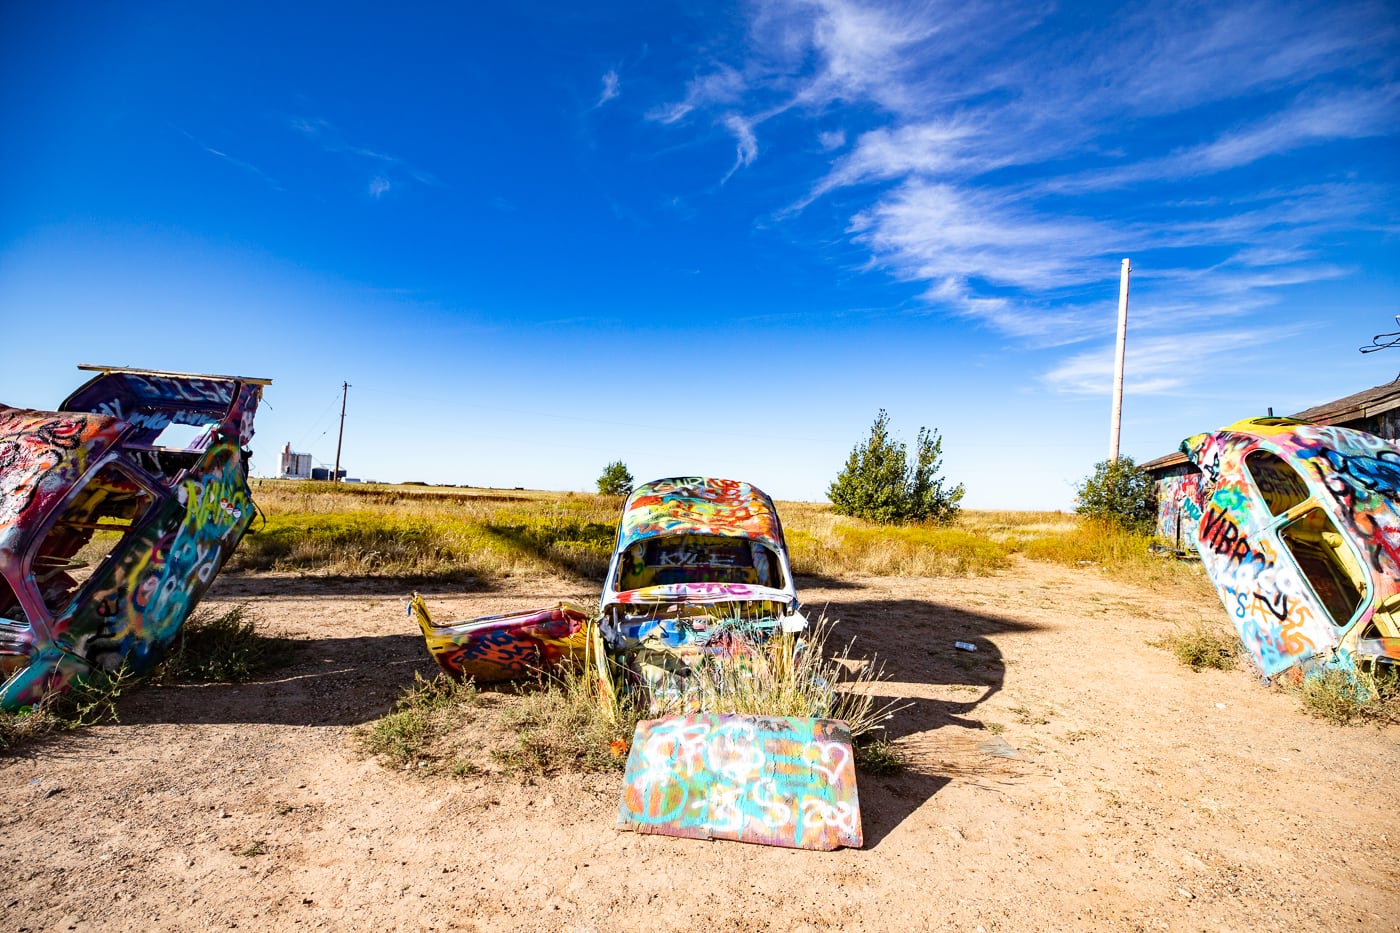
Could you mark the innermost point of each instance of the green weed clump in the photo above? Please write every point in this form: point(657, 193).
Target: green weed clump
point(1344, 697)
point(26, 726)
point(1201, 647)
point(558, 723)
point(427, 711)
point(221, 648)
point(880, 756)
point(91, 701)
point(564, 725)
point(794, 679)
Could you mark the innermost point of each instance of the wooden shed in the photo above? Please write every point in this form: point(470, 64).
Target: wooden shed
point(1375, 411)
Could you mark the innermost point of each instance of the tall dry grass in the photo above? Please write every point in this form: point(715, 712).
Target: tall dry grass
point(453, 533)
point(427, 532)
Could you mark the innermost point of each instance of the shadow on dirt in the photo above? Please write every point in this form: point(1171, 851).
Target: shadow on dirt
point(349, 681)
point(916, 641)
point(326, 682)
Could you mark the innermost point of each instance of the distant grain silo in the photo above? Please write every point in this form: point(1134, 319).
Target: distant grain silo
point(295, 465)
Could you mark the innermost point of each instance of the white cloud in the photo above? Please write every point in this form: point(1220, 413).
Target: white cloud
point(1348, 115)
point(923, 149)
point(330, 139)
point(934, 231)
point(745, 143)
point(721, 86)
point(379, 186)
point(241, 165)
point(962, 135)
point(612, 87)
point(1162, 365)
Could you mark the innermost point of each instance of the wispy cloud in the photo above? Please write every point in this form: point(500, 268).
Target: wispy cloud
point(1162, 365)
point(724, 85)
point(388, 168)
point(239, 164)
point(1345, 115)
point(1006, 158)
point(936, 231)
point(612, 87)
point(745, 142)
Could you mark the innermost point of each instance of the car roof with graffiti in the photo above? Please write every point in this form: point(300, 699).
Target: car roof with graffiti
point(700, 505)
point(1357, 473)
point(1298, 527)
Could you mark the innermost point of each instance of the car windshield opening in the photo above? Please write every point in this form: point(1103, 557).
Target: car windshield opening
point(698, 559)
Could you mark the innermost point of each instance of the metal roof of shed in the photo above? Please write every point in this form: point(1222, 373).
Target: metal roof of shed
point(1364, 404)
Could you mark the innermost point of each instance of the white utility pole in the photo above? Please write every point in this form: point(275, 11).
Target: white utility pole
point(1118, 360)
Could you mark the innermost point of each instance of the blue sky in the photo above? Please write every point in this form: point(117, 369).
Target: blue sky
point(705, 238)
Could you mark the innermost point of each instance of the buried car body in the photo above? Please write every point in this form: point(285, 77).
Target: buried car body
point(1298, 526)
point(699, 568)
point(697, 608)
point(116, 512)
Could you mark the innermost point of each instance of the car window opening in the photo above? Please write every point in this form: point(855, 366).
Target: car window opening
point(92, 526)
point(1330, 568)
point(1280, 484)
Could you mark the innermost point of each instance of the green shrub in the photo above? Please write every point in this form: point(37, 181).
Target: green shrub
point(1118, 491)
point(615, 480)
point(427, 710)
point(879, 484)
point(1344, 696)
point(92, 700)
point(221, 648)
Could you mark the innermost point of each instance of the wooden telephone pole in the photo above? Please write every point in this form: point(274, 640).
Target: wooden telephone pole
point(1118, 360)
point(344, 392)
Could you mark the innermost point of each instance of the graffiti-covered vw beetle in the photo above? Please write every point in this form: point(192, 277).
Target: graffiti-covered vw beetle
point(700, 568)
point(116, 512)
point(698, 589)
point(1298, 526)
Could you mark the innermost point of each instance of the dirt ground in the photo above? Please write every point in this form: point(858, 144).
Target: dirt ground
point(1067, 776)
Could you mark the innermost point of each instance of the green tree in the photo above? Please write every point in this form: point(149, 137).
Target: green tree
point(1118, 491)
point(878, 483)
point(615, 480)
